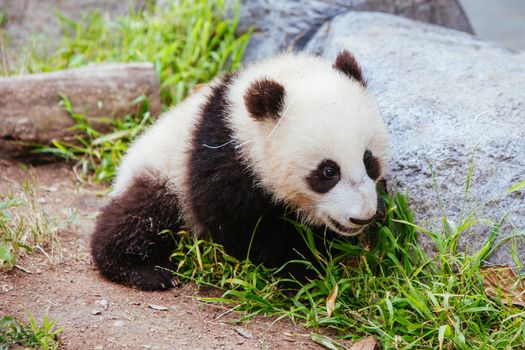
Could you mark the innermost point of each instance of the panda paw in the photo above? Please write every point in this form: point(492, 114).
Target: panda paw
point(152, 278)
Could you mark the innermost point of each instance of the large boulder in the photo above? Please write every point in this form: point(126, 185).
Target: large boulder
point(285, 24)
point(450, 101)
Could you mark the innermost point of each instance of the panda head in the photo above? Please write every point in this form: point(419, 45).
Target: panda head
point(313, 137)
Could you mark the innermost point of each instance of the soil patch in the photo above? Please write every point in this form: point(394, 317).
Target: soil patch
point(97, 314)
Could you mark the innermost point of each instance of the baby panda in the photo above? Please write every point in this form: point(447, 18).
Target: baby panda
point(292, 138)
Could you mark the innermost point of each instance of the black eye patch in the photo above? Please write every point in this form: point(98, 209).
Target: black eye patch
point(323, 178)
point(372, 166)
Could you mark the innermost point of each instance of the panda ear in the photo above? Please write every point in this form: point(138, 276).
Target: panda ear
point(347, 64)
point(264, 99)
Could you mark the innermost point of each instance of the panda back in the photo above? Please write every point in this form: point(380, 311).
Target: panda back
point(162, 151)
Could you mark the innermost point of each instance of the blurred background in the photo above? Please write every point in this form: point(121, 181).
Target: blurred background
point(502, 21)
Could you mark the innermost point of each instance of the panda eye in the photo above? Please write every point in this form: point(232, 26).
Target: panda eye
point(324, 177)
point(329, 172)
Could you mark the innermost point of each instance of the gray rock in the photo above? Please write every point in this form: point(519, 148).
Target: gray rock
point(103, 303)
point(448, 99)
point(158, 307)
point(283, 24)
point(119, 323)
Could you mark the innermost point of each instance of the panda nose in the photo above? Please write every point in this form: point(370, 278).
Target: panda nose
point(361, 221)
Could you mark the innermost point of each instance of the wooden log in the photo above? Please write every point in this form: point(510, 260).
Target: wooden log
point(30, 107)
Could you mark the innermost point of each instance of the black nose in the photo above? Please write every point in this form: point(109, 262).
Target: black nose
point(360, 221)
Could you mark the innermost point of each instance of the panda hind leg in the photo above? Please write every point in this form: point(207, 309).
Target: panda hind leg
point(127, 245)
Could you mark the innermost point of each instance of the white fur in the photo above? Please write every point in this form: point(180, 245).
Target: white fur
point(326, 116)
point(163, 150)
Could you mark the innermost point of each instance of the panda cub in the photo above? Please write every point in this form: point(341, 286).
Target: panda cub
point(291, 137)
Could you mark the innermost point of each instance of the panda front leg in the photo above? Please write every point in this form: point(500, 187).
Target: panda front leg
point(127, 245)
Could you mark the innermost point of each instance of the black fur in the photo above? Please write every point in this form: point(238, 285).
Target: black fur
point(347, 64)
point(361, 222)
point(227, 202)
point(126, 245)
point(225, 199)
point(319, 182)
point(264, 99)
point(373, 168)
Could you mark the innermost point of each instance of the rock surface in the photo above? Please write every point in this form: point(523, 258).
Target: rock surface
point(448, 98)
point(284, 24)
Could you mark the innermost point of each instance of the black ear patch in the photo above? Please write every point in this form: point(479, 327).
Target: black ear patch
point(347, 64)
point(372, 166)
point(265, 99)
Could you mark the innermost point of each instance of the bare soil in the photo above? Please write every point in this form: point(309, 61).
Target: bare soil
point(74, 294)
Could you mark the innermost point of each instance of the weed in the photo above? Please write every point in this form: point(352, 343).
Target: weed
point(19, 334)
point(392, 290)
point(25, 226)
point(189, 42)
point(93, 152)
point(11, 234)
point(3, 53)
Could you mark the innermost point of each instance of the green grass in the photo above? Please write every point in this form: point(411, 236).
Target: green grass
point(12, 242)
point(16, 335)
point(96, 155)
point(392, 290)
point(189, 42)
point(25, 226)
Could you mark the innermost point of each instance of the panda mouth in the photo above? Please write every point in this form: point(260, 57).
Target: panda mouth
point(345, 230)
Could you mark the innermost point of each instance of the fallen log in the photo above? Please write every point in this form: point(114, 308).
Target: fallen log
point(30, 107)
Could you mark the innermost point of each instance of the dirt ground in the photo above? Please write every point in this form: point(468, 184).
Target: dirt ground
point(97, 314)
